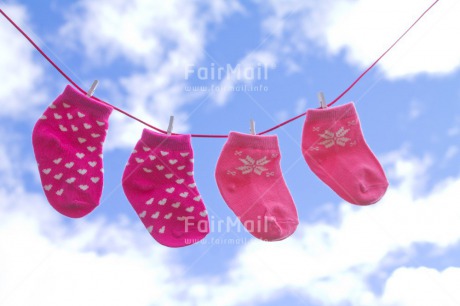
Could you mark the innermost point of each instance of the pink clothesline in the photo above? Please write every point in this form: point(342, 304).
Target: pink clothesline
point(213, 135)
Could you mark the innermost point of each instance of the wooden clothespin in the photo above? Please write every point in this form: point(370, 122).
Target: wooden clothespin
point(170, 125)
point(252, 127)
point(322, 100)
point(92, 88)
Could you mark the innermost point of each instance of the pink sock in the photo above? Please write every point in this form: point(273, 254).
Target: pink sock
point(67, 143)
point(158, 182)
point(335, 150)
point(250, 180)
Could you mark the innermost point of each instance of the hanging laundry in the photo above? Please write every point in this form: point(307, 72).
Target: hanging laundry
point(334, 148)
point(67, 142)
point(251, 182)
point(158, 182)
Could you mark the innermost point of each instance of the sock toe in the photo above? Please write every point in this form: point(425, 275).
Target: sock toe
point(270, 230)
point(74, 209)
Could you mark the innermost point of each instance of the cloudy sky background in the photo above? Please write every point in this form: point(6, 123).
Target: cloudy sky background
point(404, 250)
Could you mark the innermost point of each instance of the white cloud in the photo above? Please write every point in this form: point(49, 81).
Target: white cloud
point(366, 28)
point(254, 68)
point(22, 77)
point(44, 260)
point(330, 263)
point(422, 287)
point(161, 39)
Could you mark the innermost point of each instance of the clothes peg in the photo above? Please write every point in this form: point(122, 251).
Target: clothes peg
point(253, 127)
point(322, 100)
point(92, 88)
point(170, 125)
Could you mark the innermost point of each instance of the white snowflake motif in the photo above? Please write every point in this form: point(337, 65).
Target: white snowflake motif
point(251, 165)
point(353, 143)
point(238, 153)
point(314, 149)
point(338, 138)
point(268, 174)
point(274, 155)
point(352, 122)
point(316, 129)
point(231, 172)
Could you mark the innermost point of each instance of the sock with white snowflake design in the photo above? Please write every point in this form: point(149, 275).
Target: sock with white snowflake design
point(334, 148)
point(250, 180)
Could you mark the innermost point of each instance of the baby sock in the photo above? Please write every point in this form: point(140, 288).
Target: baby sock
point(158, 182)
point(250, 180)
point(67, 142)
point(334, 148)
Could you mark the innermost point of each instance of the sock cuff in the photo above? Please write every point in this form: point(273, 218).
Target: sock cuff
point(332, 113)
point(172, 142)
point(72, 96)
point(266, 142)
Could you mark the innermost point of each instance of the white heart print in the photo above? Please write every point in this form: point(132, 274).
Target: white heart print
point(162, 202)
point(69, 165)
point(170, 190)
point(92, 163)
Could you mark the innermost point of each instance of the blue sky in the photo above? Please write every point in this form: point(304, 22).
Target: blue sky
point(402, 251)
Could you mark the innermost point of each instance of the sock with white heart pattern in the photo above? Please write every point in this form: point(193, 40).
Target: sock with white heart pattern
point(67, 141)
point(158, 182)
